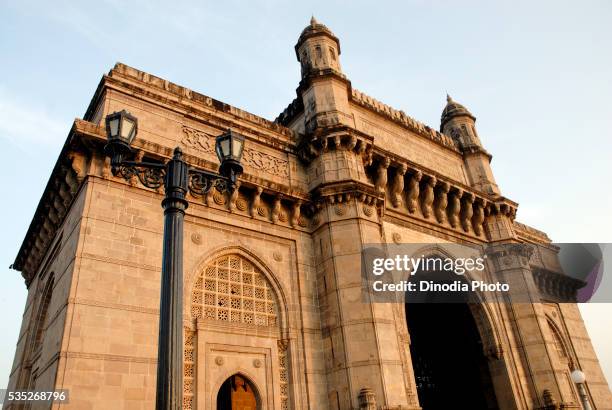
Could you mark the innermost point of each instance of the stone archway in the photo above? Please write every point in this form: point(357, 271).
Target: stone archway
point(449, 364)
point(238, 315)
point(238, 393)
point(456, 352)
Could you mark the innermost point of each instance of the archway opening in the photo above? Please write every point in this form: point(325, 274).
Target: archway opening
point(450, 368)
point(237, 393)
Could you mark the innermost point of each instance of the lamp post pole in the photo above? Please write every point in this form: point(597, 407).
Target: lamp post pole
point(578, 377)
point(178, 179)
point(169, 393)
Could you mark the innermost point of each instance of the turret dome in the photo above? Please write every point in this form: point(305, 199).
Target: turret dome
point(453, 109)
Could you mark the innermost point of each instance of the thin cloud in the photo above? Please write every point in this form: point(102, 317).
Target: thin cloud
point(23, 123)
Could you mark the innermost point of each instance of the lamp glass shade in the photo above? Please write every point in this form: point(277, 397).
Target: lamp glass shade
point(578, 377)
point(114, 127)
point(127, 130)
point(237, 148)
point(121, 127)
point(224, 148)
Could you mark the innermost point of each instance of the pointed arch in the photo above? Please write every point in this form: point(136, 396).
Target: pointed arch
point(260, 266)
point(242, 372)
point(561, 345)
point(37, 333)
point(41, 314)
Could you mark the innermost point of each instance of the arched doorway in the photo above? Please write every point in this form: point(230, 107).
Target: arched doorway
point(450, 368)
point(237, 393)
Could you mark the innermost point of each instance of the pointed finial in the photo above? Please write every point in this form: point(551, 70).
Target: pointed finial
point(448, 98)
point(313, 21)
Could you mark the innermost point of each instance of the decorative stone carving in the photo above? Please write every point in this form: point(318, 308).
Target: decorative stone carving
point(381, 175)
point(262, 211)
point(277, 256)
point(256, 363)
point(276, 208)
point(455, 208)
point(414, 191)
point(340, 209)
point(428, 197)
point(218, 197)
point(397, 238)
point(241, 204)
point(398, 186)
point(266, 163)
point(219, 361)
point(203, 142)
point(256, 204)
point(368, 210)
point(367, 399)
point(478, 218)
point(198, 140)
point(441, 202)
point(467, 211)
point(196, 238)
point(282, 216)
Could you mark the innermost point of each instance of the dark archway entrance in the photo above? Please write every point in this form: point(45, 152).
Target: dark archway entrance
point(450, 368)
point(237, 393)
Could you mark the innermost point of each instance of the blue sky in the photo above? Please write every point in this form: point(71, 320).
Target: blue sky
point(536, 75)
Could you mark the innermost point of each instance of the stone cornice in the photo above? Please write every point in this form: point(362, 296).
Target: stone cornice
point(198, 106)
point(96, 134)
point(57, 198)
point(531, 234)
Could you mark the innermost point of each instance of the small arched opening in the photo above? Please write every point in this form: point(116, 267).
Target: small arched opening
point(238, 393)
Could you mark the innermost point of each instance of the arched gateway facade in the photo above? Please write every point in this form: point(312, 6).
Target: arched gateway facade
point(273, 312)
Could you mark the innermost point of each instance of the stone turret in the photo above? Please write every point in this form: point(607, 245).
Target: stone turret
point(459, 123)
point(318, 49)
point(324, 88)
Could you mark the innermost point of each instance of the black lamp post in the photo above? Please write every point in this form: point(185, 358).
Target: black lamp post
point(178, 178)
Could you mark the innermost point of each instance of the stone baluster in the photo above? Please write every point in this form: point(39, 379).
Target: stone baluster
point(256, 202)
point(414, 191)
point(455, 208)
point(295, 217)
point(398, 186)
point(479, 217)
point(381, 175)
point(208, 199)
point(231, 205)
point(428, 197)
point(324, 144)
point(338, 142)
point(467, 211)
point(441, 202)
point(276, 208)
point(352, 142)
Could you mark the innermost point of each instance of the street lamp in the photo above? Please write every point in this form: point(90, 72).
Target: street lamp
point(177, 178)
point(579, 378)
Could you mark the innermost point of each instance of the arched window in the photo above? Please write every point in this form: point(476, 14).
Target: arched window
point(38, 332)
point(41, 318)
point(558, 341)
point(231, 289)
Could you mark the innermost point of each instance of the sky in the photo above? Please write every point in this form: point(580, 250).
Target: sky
point(536, 75)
